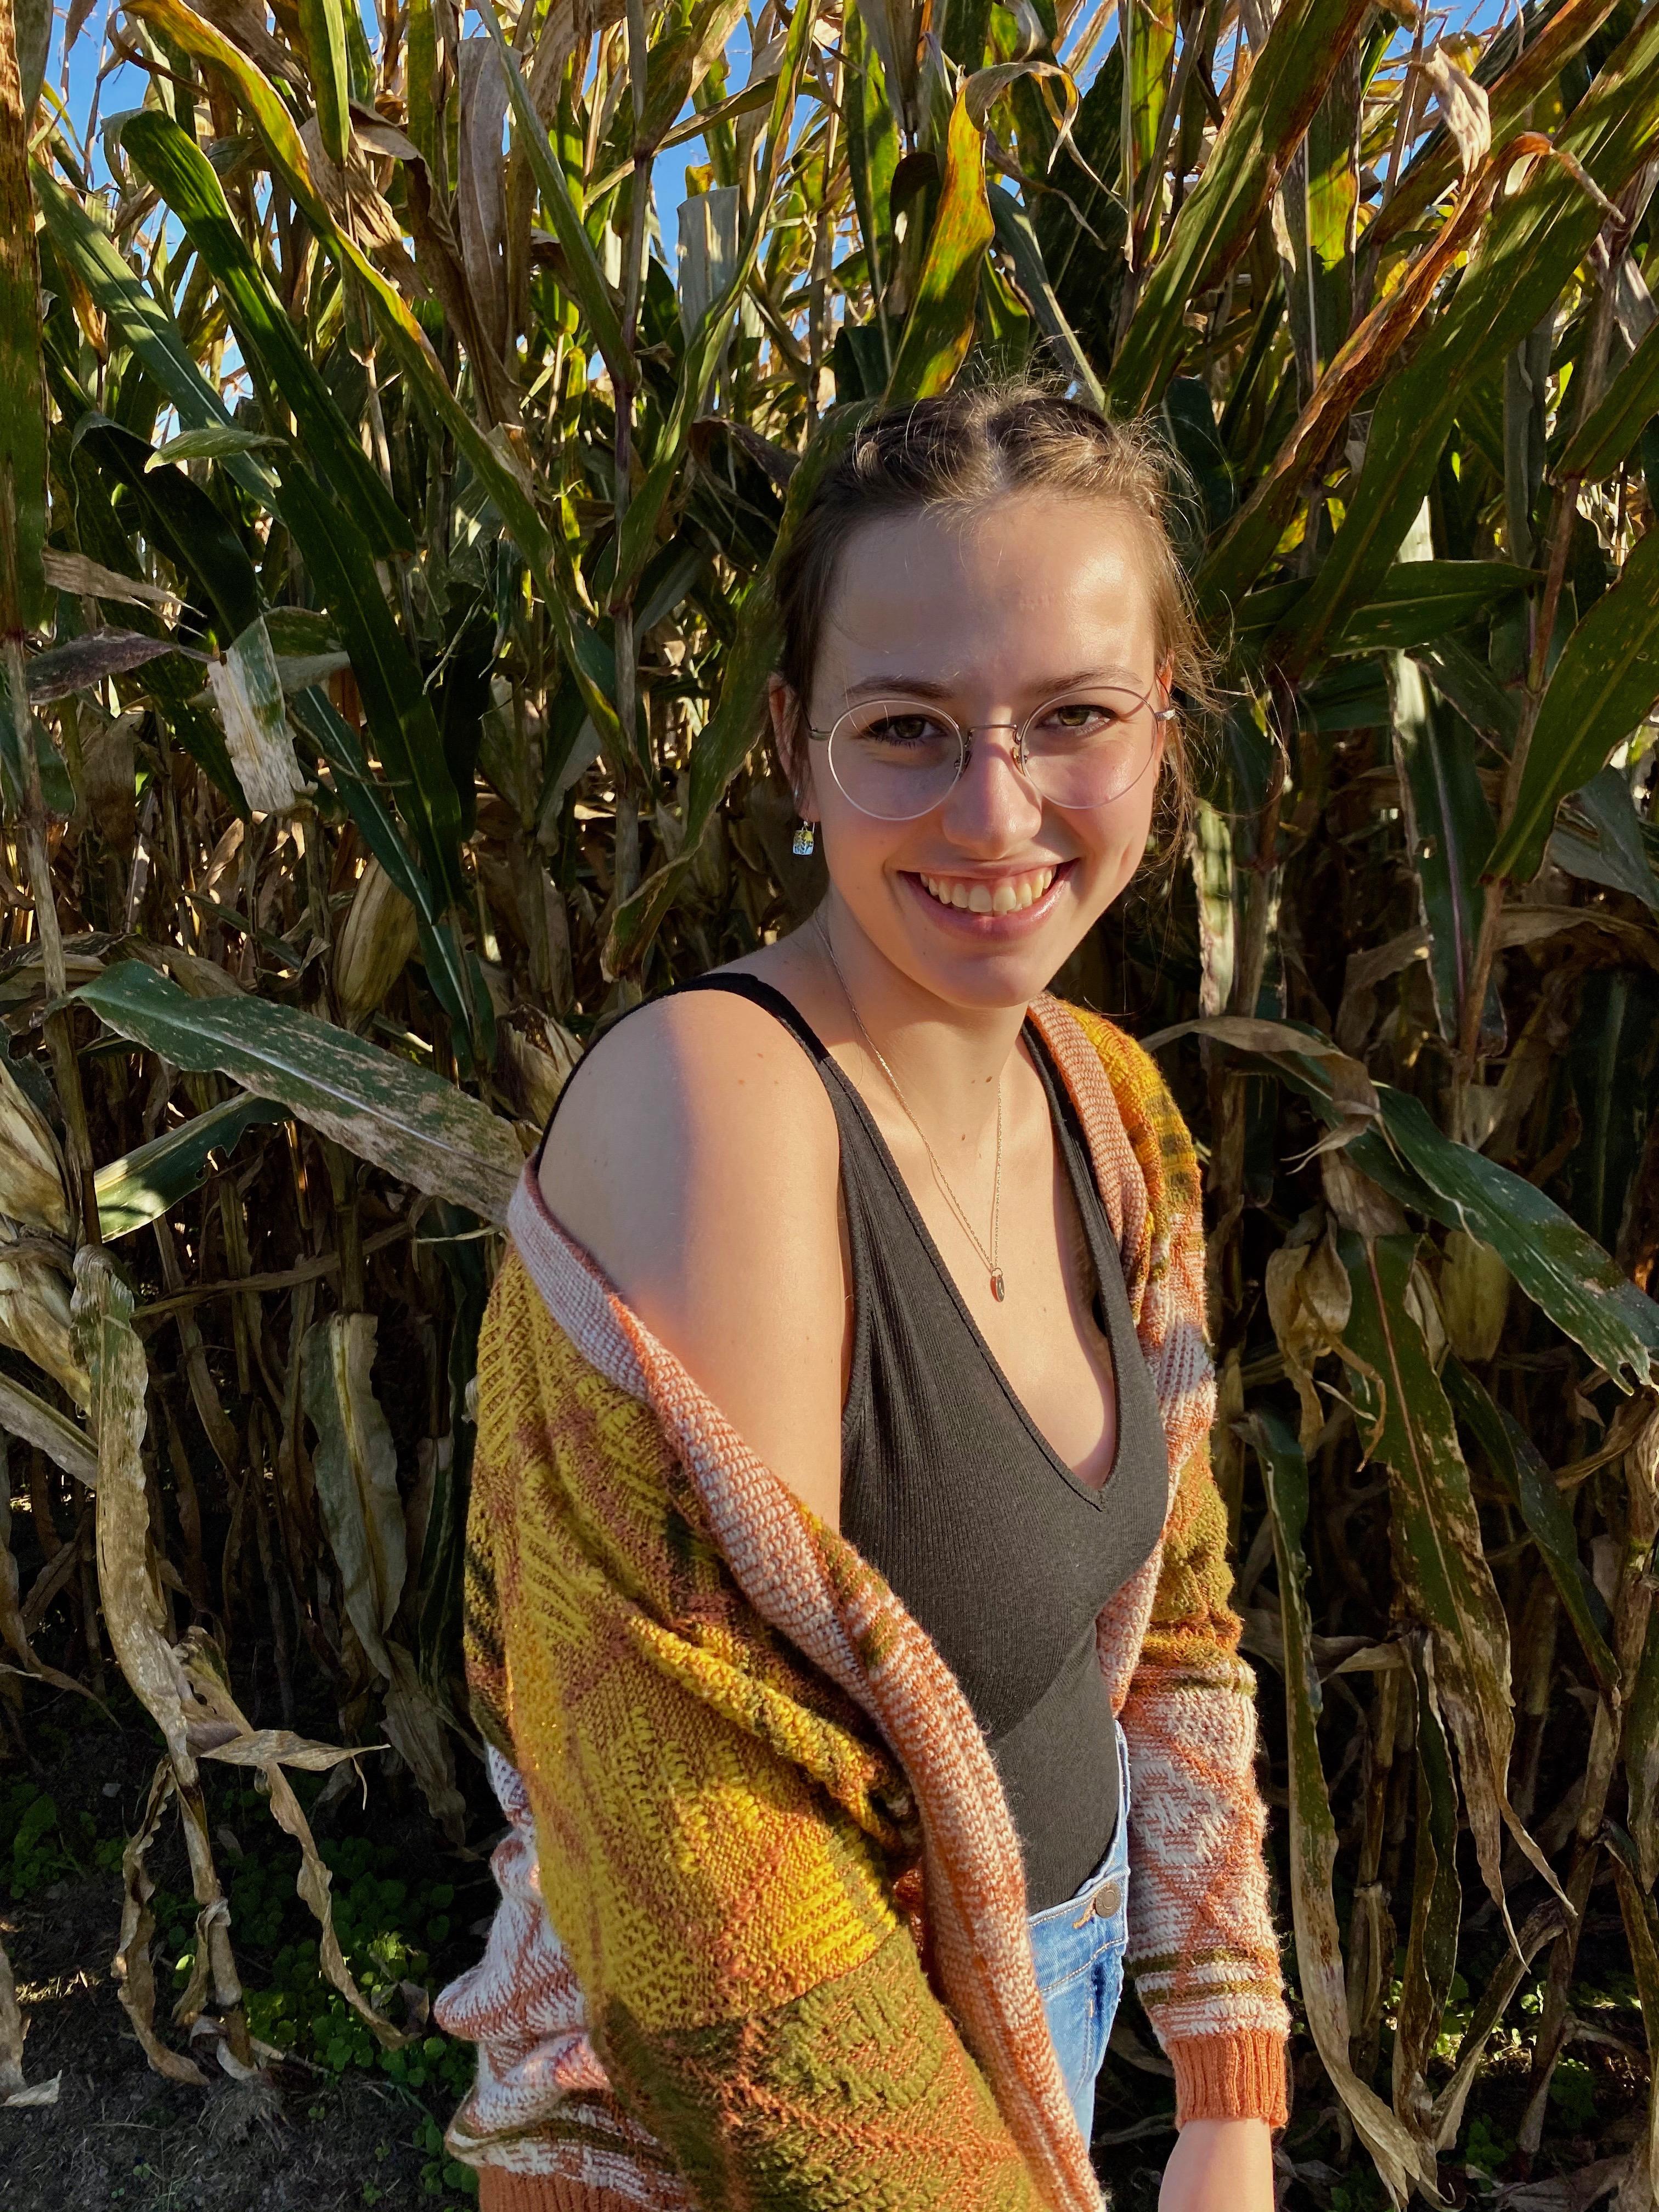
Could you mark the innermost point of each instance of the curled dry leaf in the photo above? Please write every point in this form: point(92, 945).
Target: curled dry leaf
point(356, 1471)
point(31, 1165)
point(1462, 105)
point(34, 1312)
point(128, 1586)
point(1308, 1300)
point(135, 1978)
point(416, 1728)
point(202, 1667)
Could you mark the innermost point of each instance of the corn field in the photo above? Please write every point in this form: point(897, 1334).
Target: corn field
point(385, 537)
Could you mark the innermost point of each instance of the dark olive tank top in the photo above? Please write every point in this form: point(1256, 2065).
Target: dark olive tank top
point(951, 1490)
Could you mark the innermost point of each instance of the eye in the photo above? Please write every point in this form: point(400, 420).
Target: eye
point(1098, 714)
point(904, 727)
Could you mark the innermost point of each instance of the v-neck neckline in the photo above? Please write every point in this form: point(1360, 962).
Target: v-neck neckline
point(1115, 1314)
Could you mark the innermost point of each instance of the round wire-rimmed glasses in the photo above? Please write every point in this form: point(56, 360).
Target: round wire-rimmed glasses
point(898, 757)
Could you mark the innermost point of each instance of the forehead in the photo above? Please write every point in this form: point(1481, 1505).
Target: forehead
point(1026, 586)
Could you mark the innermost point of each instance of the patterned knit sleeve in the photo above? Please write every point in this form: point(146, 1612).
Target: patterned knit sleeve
point(715, 1836)
point(1202, 1946)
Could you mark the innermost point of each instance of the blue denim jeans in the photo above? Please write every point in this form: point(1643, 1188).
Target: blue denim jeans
point(1077, 1949)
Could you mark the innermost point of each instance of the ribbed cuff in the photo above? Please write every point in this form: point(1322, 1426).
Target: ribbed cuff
point(1228, 2077)
point(502, 2191)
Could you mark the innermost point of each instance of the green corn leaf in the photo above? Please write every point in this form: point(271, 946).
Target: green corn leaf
point(726, 740)
point(86, 247)
point(1406, 1421)
point(497, 470)
point(1561, 1268)
point(322, 26)
point(1532, 242)
point(583, 273)
point(420, 74)
point(1018, 240)
point(1220, 215)
point(216, 443)
point(679, 63)
point(22, 384)
point(939, 328)
point(1148, 36)
point(1605, 681)
point(1449, 833)
point(184, 177)
point(700, 363)
point(1514, 1460)
point(1415, 604)
point(1468, 683)
point(1616, 423)
point(384, 1109)
point(151, 1181)
point(1615, 853)
point(1330, 196)
point(872, 152)
point(182, 522)
point(367, 803)
point(1430, 1962)
point(1401, 2159)
point(1642, 1758)
point(399, 712)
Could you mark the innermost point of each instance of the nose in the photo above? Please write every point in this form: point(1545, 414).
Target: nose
point(992, 809)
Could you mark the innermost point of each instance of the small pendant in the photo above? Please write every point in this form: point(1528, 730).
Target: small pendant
point(998, 1288)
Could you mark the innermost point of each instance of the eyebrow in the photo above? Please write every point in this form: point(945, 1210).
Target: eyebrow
point(927, 687)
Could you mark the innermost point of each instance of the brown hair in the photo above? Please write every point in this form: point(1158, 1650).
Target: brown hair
point(976, 444)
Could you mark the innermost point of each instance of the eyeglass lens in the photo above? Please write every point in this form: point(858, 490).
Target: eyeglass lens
point(898, 758)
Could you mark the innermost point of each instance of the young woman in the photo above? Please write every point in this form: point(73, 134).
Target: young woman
point(848, 1583)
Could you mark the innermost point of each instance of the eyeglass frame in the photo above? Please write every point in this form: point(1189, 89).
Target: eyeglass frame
point(966, 733)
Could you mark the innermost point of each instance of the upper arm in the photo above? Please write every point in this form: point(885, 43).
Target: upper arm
point(697, 1158)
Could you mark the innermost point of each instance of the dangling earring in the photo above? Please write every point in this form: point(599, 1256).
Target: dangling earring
point(805, 838)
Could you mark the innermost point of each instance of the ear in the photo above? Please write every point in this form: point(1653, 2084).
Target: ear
point(789, 739)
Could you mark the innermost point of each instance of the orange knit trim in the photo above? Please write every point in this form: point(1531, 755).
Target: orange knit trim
point(502, 2191)
point(1228, 2077)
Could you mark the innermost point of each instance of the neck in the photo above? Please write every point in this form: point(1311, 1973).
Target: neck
point(948, 1058)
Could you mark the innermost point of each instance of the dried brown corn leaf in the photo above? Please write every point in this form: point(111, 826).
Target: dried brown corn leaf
point(134, 1977)
point(356, 1474)
point(31, 1165)
point(34, 1313)
point(128, 1586)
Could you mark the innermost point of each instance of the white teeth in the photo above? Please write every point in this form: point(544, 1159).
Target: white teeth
point(972, 894)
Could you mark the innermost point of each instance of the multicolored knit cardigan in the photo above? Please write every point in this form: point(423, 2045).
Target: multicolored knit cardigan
point(792, 1967)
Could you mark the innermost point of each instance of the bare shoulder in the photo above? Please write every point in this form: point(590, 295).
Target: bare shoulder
point(697, 1158)
point(677, 1095)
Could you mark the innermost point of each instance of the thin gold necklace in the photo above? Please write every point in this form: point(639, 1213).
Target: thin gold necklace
point(988, 1259)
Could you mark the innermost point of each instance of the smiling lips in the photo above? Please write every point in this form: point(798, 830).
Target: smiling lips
point(975, 895)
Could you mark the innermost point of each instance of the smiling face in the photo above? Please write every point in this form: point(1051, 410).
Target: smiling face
point(986, 618)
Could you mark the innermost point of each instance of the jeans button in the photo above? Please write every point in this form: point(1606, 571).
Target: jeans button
point(1107, 1898)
